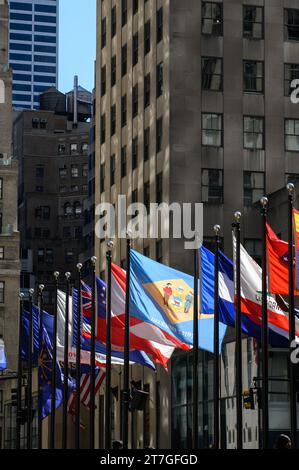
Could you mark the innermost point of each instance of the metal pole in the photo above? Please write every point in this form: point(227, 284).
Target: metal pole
point(126, 390)
point(41, 314)
point(54, 361)
point(20, 372)
point(265, 331)
point(216, 340)
point(66, 362)
point(93, 357)
point(29, 384)
point(292, 336)
point(195, 355)
point(78, 361)
point(239, 392)
point(108, 351)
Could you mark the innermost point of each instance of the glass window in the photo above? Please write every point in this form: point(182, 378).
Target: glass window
point(291, 72)
point(253, 132)
point(113, 21)
point(160, 24)
point(74, 148)
point(146, 195)
point(134, 153)
point(159, 188)
point(135, 100)
point(112, 170)
point(291, 24)
point(212, 186)
point(124, 12)
point(253, 76)
point(254, 187)
point(123, 161)
point(292, 135)
point(124, 60)
point(212, 18)
point(124, 110)
point(103, 128)
point(135, 6)
point(113, 120)
point(1, 188)
point(104, 33)
point(160, 79)
point(1, 252)
point(135, 49)
point(113, 70)
point(147, 37)
point(147, 90)
point(253, 22)
point(75, 171)
point(212, 73)
point(103, 80)
point(212, 130)
point(78, 208)
point(159, 135)
point(146, 142)
point(2, 292)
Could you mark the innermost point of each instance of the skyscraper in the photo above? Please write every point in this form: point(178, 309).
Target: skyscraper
point(33, 49)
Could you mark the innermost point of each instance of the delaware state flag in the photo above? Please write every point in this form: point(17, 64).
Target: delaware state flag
point(165, 297)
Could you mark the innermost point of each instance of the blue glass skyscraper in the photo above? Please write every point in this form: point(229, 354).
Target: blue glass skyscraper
point(33, 49)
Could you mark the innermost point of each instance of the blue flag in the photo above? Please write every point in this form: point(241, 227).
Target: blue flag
point(3, 362)
point(165, 297)
point(25, 336)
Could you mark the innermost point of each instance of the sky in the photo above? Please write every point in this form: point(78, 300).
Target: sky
point(77, 43)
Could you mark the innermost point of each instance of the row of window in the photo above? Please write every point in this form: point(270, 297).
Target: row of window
point(76, 171)
point(253, 21)
point(253, 75)
point(147, 27)
point(69, 209)
point(73, 148)
point(73, 188)
point(253, 132)
point(46, 256)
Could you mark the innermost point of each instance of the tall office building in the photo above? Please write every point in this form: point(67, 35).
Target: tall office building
point(193, 105)
point(33, 49)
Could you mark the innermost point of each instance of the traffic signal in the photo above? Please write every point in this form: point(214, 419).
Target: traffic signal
point(248, 399)
point(14, 397)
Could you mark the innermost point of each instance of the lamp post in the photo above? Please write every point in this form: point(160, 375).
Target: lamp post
point(217, 229)
point(110, 246)
point(41, 288)
point(93, 355)
point(29, 384)
point(20, 371)
point(66, 362)
point(78, 360)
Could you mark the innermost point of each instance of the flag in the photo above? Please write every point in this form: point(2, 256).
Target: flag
point(136, 357)
point(45, 363)
point(3, 362)
point(85, 387)
point(163, 297)
point(35, 336)
point(296, 236)
point(278, 268)
point(251, 305)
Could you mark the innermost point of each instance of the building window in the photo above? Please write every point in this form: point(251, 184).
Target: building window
point(85, 170)
point(69, 256)
point(74, 148)
point(135, 100)
point(113, 119)
point(124, 60)
point(113, 21)
point(212, 18)
point(146, 251)
point(135, 49)
point(254, 248)
point(49, 256)
point(113, 70)
point(147, 90)
point(253, 22)
point(104, 33)
point(291, 72)
point(39, 171)
point(147, 37)
point(43, 123)
point(102, 178)
point(75, 171)
point(146, 142)
point(68, 209)
point(112, 170)
point(134, 153)
point(159, 79)
point(124, 161)
point(134, 196)
point(135, 6)
point(78, 208)
point(159, 135)
point(63, 172)
point(253, 133)
point(212, 134)
point(160, 24)
point(159, 188)
point(124, 111)
point(46, 212)
point(254, 187)
point(159, 251)
point(1, 252)
point(39, 189)
point(35, 123)
point(292, 135)
point(75, 188)
point(124, 12)
point(146, 195)
point(103, 128)
point(212, 186)
point(67, 232)
point(291, 22)
point(103, 80)
point(41, 255)
point(253, 76)
point(1, 188)
point(211, 73)
point(2, 292)
point(61, 148)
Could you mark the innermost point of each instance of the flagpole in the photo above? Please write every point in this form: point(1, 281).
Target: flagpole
point(54, 361)
point(20, 372)
point(108, 350)
point(195, 354)
point(41, 321)
point(66, 362)
point(239, 369)
point(265, 330)
point(93, 356)
point(29, 380)
point(78, 360)
point(292, 334)
point(217, 229)
point(126, 390)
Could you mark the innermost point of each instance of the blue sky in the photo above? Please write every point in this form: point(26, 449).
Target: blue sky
point(77, 43)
